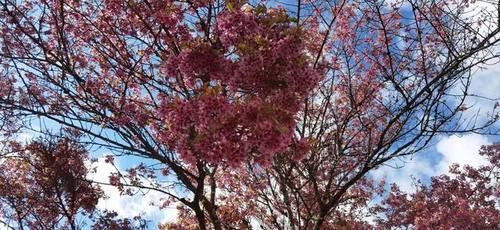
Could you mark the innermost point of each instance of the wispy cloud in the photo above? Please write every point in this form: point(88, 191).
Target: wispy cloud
point(142, 204)
point(449, 150)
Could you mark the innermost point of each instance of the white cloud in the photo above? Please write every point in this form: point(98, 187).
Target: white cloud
point(25, 137)
point(482, 96)
point(130, 206)
point(2, 225)
point(453, 149)
point(461, 150)
point(403, 172)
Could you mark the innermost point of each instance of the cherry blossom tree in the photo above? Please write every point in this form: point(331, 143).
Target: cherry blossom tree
point(387, 91)
point(258, 111)
point(43, 185)
point(466, 199)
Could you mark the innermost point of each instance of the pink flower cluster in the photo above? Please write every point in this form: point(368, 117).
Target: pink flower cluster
point(246, 93)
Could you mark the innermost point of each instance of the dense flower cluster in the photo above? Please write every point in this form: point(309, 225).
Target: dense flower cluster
point(245, 103)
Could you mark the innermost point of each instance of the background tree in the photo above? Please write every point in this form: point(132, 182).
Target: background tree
point(466, 199)
point(43, 185)
point(282, 109)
